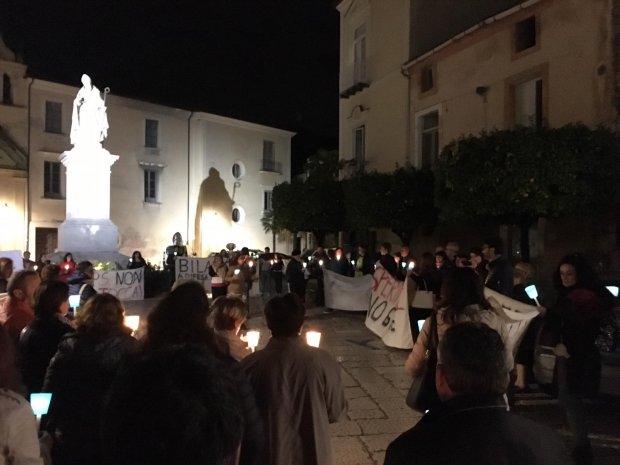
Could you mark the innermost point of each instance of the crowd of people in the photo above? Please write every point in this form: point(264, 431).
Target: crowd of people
point(192, 391)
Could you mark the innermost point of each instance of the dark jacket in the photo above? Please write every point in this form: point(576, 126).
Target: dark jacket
point(472, 430)
point(79, 281)
point(387, 261)
point(37, 345)
point(577, 318)
point(79, 377)
point(367, 265)
point(342, 266)
point(295, 275)
point(500, 277)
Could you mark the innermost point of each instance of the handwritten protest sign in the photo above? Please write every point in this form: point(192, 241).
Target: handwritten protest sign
point(193, 268)
point(124, 284)
point(388, 315)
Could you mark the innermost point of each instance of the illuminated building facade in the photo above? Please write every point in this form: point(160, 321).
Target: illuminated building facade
point(166, 156)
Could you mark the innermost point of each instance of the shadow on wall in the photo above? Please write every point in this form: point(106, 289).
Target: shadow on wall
point(213, 215)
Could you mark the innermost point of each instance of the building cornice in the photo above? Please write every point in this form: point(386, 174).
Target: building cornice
point(482, 24)
point(202, 116)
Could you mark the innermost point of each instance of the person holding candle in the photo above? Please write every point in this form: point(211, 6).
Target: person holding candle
point(295, 275)
point(236, 277)
point(386, 260)
point(226, 317)
point(583, 303)
point(299, 386)
point(67, 266)
point(136, 261)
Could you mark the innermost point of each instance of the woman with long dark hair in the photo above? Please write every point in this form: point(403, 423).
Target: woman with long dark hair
point(583, 303)
point(67, 266)
point(462, 299)
point(180, 319)
point(39, 340)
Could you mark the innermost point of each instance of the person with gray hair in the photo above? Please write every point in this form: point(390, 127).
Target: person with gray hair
point(473, 424)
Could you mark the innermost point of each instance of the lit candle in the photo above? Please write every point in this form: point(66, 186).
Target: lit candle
point(133, 322)
point(251, 263)
point(40, 403)
point(313, 338)
point(253, 337)
point(320, 262)
point(338, 256)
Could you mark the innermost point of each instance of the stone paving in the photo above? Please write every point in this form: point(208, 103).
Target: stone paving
point(376, 385)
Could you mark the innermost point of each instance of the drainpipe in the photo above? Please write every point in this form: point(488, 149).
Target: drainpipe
point(405, 72)
point(189, 123)
point(28, 183)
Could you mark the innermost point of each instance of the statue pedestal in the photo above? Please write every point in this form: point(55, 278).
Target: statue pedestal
point(87, 227)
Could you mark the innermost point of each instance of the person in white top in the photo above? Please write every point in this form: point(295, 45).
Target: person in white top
point(19, 441)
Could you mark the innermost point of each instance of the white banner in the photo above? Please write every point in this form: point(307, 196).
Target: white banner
point(345, 293)
point(124, 284)
point(193, 268)
point(388, 315)
point(516, 316)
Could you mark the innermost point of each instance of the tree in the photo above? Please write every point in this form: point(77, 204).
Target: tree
point(410, 202)
point(270, 225)
point(518, 175)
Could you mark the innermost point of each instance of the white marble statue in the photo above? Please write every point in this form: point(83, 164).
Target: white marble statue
point(89, 121)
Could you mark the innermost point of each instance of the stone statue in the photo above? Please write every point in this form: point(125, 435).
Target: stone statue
point(89, 121)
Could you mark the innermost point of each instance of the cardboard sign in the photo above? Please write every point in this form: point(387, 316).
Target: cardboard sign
point(193, 268)
point(124, 284)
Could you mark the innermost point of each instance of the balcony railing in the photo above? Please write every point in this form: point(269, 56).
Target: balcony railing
point(353, 78)
point(272, 166)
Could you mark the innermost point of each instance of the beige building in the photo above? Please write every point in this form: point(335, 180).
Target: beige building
point(373, 119)
point(474, 66)
point(165, 156)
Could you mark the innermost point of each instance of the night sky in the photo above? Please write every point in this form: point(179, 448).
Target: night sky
point(272, 62)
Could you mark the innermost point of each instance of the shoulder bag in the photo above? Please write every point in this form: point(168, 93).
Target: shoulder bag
point(423, 298)
point(422, 395)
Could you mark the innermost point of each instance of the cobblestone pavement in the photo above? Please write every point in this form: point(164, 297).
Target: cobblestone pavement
point(376, 385)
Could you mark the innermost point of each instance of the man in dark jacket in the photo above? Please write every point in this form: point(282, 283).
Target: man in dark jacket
point(500, 277)
point(472, 425)
point(295, 275)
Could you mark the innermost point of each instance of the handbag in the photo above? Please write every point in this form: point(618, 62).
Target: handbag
point(423, 298)
point(422, 395)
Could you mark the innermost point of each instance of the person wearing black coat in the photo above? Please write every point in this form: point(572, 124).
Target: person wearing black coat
point(79, 376)
point(386, 260)
point(295, 275)
point(38, 342)
point(472, 425)
point(500, 276)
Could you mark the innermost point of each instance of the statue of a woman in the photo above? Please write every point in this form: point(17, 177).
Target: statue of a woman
point(89, 121)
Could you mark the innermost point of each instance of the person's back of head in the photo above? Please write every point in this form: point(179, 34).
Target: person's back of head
point(471, 361)
point(177, 405)
point(180, 317)
point(462, 287)
point(6, 267)
point(227, 313)
point(49, 298)
point(495, 243)
point(103, 314)
point(285, 315)
point(86, 268)
point(19, 282)
point(50, 272)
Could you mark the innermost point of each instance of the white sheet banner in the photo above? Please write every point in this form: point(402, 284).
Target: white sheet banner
point(345, 293)
point(193, 268)
point(516, 317)
point(388, 315)
point(124, 284)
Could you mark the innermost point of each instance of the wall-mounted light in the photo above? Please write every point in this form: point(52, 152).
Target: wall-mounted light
point(482, 90)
